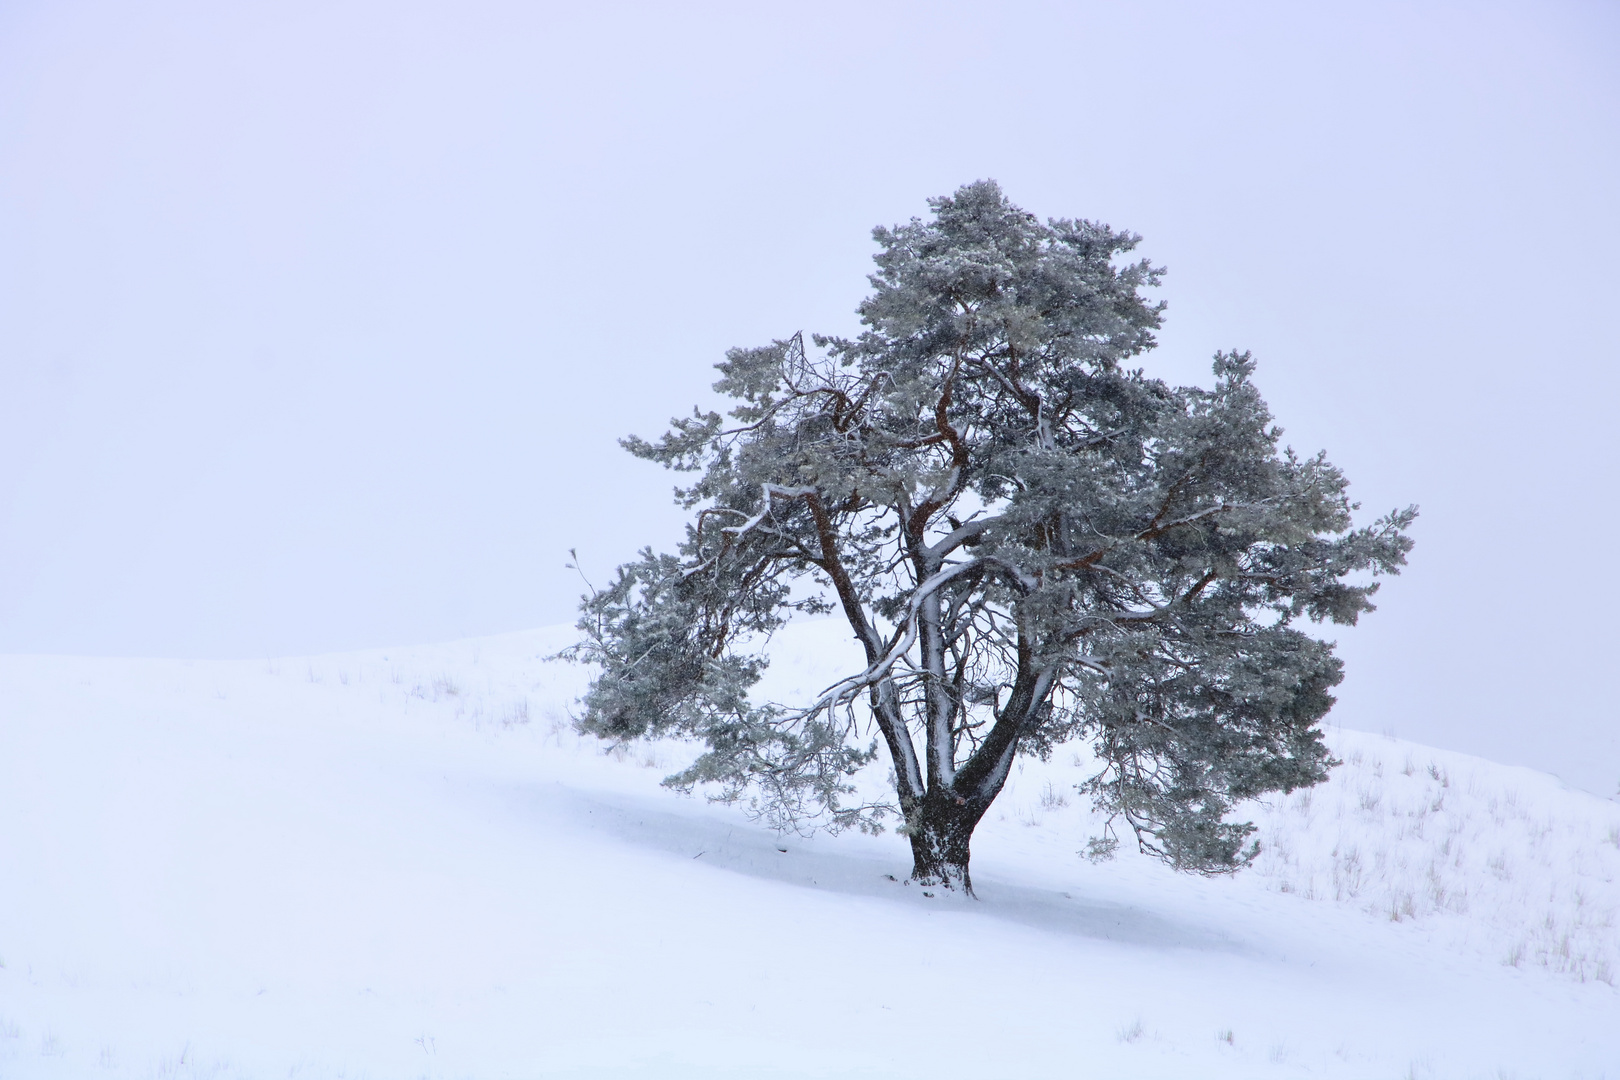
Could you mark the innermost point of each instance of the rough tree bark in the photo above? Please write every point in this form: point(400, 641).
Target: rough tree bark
point(940, 827)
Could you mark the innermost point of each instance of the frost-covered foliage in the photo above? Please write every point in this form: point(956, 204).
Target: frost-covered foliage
point(1031, 542)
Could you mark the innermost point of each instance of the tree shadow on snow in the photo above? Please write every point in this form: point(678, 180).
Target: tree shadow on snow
point(745, 848)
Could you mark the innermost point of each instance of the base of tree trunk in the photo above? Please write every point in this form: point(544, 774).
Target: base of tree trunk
point(940, 847)
point(942, 876)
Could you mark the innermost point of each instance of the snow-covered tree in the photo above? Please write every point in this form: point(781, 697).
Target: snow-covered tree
point(1031, 543)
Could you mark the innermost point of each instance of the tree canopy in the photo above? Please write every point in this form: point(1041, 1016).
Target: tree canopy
point(1032, 542)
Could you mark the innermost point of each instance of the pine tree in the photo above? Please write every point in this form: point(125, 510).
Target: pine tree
point(1031, 542)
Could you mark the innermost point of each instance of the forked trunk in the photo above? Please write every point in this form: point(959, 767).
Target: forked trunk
point(941, 829)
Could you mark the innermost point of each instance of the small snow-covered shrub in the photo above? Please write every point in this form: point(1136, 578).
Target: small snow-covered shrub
point(515, 714)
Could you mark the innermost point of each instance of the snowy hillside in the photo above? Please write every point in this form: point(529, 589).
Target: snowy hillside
point(403, 863)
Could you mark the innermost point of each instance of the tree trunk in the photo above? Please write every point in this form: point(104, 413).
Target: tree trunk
point(940, 829)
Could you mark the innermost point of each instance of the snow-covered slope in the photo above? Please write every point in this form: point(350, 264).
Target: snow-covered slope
point(403, 863)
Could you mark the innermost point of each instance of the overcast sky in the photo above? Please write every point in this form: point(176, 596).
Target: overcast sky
point(319, 322)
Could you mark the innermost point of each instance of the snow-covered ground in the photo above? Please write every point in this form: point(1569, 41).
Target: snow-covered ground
point(403, 863)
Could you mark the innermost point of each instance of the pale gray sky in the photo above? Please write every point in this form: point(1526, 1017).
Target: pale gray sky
point(319, 321)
